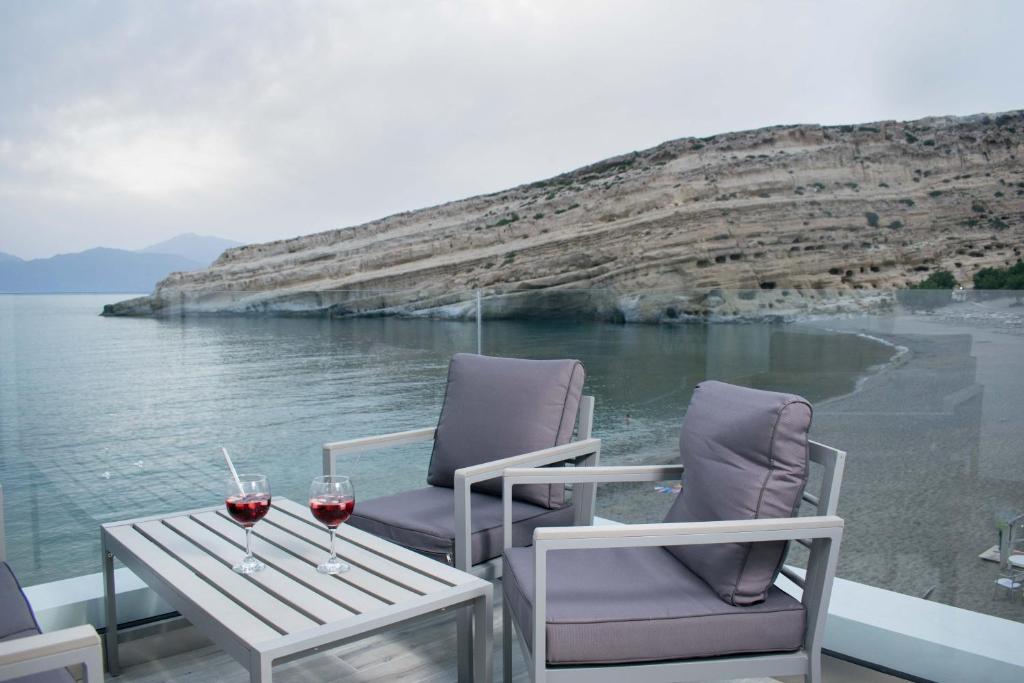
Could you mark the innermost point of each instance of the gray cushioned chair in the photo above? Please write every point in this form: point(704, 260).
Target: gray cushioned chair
point(497, 413)
point(692, 598)
point(27, 655)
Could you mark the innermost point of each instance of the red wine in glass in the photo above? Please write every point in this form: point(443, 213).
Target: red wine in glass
point(248, 509)
point(332, 510)
point(247, 500)
point(332, 500)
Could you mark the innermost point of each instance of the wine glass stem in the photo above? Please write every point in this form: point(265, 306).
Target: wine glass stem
point(334, 531)
point(248, 542)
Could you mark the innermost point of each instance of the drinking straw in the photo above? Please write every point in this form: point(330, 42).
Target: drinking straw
point(234, 474)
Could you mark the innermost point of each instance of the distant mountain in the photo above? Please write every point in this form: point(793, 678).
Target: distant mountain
point(105, 270)
point(98, 270)
point(203, 249)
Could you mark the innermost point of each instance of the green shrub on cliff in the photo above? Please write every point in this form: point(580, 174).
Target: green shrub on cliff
point(1001, 278)
point(933, 292)
point(940, 279)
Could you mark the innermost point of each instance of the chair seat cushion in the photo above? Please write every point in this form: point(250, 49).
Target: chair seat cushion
point(424, 520)
point(619, 605)
point(17, 621)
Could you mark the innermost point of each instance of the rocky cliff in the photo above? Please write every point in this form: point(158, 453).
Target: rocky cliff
point(857, 210)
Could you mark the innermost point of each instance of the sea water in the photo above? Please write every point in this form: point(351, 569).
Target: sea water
point(103, 419)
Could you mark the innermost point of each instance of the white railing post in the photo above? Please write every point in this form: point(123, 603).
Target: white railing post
point(479, 323)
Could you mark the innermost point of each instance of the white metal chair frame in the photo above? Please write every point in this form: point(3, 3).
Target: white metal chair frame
point(50, 651)
point(1011, 572)
point(820, 534)
point(584, 452)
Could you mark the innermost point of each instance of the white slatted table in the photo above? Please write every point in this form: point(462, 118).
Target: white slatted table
point(289, 609)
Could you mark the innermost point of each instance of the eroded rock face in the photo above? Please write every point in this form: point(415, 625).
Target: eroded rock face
point(854, 209)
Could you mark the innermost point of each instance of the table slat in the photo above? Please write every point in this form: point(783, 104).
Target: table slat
point(191, 589)
point(388, 576)
point(280, 615)
point(314, 546)
point(275, 581)
point(387, 550)
point(299, 568)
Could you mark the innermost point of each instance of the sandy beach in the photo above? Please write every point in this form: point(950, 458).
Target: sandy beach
point(936, 453)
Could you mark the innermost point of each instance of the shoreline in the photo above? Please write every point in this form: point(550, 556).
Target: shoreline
point(934, 455)
point(901, 355)
point(697, 306)
point(934, 458)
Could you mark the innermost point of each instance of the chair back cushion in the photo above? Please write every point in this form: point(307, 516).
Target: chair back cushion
point(499, 407)
point(745, 454)
point(16, 618)
point(18, 621)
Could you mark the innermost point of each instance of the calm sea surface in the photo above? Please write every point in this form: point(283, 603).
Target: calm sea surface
point(103, 419)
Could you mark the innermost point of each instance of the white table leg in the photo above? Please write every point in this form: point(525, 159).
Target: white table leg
point(464, 643)
point(506, 642)
point(260, 668)
point(483, 637)
point(110, 607)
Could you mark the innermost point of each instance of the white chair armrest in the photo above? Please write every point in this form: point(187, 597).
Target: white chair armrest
point(50, 651)
point(577, 475)
point(688, 533)
point(467, 476)
point(581, 475)
point(546, 456)
point(369, 443)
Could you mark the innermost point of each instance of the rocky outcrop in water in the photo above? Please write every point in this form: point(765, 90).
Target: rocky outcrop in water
point(856, 210)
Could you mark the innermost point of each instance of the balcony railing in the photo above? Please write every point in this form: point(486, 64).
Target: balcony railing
point(105, 418)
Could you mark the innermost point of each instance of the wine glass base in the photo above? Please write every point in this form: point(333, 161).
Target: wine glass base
point(249, 565)
point(334, 566)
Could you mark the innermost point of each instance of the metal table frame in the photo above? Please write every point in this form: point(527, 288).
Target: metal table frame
point(289, 610)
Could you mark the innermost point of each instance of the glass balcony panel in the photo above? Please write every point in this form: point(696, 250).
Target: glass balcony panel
point(104, 418)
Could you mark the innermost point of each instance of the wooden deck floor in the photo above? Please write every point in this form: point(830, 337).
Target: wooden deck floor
point(419, 652)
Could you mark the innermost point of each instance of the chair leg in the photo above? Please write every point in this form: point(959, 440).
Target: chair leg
point(506, 643)
point(93, 663)
point(814, 668)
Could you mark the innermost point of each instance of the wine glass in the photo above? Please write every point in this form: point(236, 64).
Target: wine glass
point(248, 501)
point(332, 500)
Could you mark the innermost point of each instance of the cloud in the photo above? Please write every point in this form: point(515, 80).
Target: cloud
point(127, 122)
point(88, 150)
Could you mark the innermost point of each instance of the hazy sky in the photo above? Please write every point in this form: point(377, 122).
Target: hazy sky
point(125, 123)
